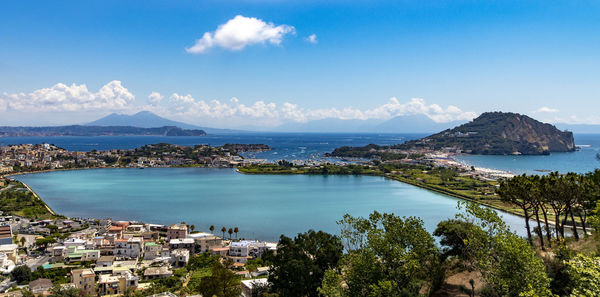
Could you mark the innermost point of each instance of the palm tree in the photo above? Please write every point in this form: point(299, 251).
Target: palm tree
point(23, 241)
point(236, 230)
point(230, 231)
point(192, 227)
point(223, 230)
point(212, 228)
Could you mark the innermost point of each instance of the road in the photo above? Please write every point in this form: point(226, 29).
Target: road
point(5, 285)
point(37, 262)
point(7, 187)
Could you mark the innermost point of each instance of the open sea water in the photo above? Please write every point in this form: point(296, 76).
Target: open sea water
point(304, 146)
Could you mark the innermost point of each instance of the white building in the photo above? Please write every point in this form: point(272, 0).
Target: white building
point(250, 248)
point(204, 242)
point(128, 247)
point(6, 265)
point(183, 243)
point(75, 242)
point(152, 250)
point(249, 286)
point(180, 257)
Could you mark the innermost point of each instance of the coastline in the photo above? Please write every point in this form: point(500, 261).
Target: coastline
point(39, 198)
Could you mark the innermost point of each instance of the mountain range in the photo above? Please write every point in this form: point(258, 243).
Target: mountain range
point(400, 124)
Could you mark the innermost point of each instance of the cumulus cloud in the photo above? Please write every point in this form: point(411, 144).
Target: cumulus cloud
point(155, 98)
point(61, 97)
point(232, 113)
point(239, 32)
point(186, 106)
point(312, 39)
point(546, 109)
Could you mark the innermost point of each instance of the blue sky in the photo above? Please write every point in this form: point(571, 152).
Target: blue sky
point(460, 58)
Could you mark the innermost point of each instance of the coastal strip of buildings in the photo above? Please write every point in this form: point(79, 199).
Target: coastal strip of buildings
point(120, 255)
point(38, 157)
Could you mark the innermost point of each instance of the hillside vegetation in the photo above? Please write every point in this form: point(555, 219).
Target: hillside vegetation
point(500, 133)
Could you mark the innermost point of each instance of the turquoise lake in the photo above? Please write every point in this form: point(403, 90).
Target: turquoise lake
point(262, 206)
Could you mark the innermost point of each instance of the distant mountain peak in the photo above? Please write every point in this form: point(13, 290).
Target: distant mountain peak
point(148, 119)
point(142, 119)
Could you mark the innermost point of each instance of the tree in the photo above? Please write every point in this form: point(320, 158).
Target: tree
point(543, 205)
point(212, 228)
point(572, 196)
point(236, 230)
point(299, 265)
point(21, 274)
point(508, 264)
point(221, 283)
point(43, 242)
point(27, 293)
point(52, 228)
point(230, 231)
point(584, 274)
point(589, 198)
point(386, 256)
point(555, 189)
point(22, 240)
point(332, 285)
point(192, 227)
point(205, 260)
point(454, 234)
point(223, 230)
point(517, 191)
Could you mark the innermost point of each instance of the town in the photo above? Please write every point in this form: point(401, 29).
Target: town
point(105, 257)
point(39, 157)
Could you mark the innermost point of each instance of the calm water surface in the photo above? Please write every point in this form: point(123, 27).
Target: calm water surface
point(262, 206)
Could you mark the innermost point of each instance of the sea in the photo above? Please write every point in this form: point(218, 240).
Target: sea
point(312, 146)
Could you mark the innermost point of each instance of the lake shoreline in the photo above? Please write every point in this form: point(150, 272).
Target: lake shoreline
point(446, 192)
point(337, 194)
point(412, 183)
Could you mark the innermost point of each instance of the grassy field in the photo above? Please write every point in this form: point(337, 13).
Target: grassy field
point(19, 200)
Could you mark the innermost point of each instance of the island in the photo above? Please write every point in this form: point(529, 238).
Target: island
point(79, 130)
point(500, 133)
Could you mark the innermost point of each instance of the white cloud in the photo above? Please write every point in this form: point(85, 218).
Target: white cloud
point(77, 100)
point(260, 112)
point(239, 32)
point(312, 39)
point(60, 97)
point(155, 98)
point(546, 109)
